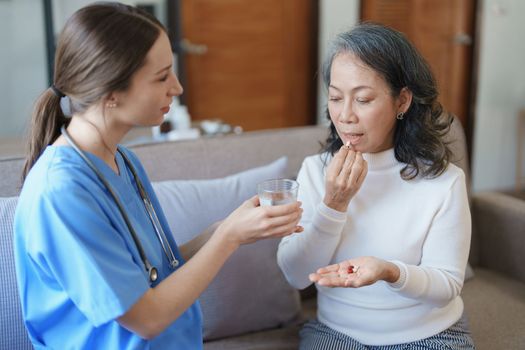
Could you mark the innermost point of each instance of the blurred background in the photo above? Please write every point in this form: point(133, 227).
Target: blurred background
point(255, 64)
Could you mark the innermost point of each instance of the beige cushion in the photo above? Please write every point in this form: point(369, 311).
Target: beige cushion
point(495, 307)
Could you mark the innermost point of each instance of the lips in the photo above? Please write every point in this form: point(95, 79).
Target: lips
point(165, 110)
point(354, 138)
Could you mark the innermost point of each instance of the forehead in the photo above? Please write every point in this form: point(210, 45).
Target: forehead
point(160, 55)
point(348, 69)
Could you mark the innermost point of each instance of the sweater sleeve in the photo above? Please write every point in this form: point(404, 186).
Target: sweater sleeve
point(302, 253)
point(440, 275)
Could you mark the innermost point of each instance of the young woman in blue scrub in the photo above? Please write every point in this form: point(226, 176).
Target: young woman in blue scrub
point(96, 265)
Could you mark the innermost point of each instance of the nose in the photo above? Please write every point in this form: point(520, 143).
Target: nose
point(347, 114)
point(176, 89)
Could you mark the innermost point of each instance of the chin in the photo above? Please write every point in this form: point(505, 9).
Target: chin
point(157, 121)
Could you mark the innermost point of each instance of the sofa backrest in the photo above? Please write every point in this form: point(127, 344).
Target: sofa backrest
point(206, 157)
point(210, 157)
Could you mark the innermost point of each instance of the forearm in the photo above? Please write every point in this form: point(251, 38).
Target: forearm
point(429, 284)
point(189, 249)
point(162, 305)
point(303, 253)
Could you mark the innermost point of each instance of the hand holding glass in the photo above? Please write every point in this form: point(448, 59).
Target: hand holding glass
point(277, 192)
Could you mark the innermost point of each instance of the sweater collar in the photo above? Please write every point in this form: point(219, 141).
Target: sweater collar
point(381, 160)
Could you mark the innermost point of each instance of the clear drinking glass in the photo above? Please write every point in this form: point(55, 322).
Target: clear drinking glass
point(277, 191)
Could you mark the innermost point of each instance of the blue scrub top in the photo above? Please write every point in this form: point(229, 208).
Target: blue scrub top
point(77, 266)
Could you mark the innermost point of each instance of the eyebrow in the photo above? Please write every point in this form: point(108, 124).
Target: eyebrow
point(360, 87)
point(163, 69)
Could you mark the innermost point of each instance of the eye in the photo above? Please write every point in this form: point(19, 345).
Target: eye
point(362, 100)
point(164, 78)
point(334, 98)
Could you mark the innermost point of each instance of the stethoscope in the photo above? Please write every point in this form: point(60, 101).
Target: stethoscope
point(150, 269)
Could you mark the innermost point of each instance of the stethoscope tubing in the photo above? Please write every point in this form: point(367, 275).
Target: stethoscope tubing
point(150, 269)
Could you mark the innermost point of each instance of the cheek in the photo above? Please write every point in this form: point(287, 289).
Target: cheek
point(333, 112)
point(385, 132)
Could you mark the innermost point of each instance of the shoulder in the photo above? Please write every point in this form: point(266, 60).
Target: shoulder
point(139, 169)
point(452, 177)
point(313, 170)
point(59, 178)
point(58, 167)
point(129, 154)
point(134, 159)
point(452, 174)
point(317, 161)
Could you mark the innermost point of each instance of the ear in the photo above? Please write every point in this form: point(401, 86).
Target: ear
point(111, 100)
point(112, 97)
point(404, 100)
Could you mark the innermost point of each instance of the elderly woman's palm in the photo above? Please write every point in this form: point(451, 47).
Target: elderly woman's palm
point(350, 273)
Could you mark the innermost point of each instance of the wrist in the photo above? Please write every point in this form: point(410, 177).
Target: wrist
point(391, 272)
point(225, 239)
point(342, 207)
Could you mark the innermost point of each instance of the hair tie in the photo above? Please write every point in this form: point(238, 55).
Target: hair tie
point(57, 92)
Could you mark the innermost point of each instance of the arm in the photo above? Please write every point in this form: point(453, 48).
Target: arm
point(324, 215)
point(161, 305)
point(438, 278)
point(440, 275)
point(302, 253)
point(190, 248)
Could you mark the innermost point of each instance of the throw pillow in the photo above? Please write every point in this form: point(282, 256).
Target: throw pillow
point(193, 205)
point(249, 293)
point(12, 328)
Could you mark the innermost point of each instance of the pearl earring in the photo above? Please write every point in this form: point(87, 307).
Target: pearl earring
point(111, 104)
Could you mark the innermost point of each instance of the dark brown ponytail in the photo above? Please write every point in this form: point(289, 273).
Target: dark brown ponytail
point(47, 118)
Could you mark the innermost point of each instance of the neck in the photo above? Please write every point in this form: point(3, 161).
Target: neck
point(381, 160)
point(100, 138)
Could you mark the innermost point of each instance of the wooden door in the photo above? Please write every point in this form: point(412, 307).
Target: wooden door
point(250, 63)
point(442, 31)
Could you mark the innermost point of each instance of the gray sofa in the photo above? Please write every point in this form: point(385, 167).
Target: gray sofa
point(494, 297)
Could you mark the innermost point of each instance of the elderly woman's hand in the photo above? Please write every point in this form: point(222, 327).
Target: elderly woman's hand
point(357, 272)
point(344, 176)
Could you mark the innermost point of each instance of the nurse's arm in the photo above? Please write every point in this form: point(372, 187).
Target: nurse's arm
point(190, 248)
point(160, 306)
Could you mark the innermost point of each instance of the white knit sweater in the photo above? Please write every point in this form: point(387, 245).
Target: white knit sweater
point(421, 225)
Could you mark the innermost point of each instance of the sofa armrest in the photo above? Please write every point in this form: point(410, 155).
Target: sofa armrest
point(499, 232)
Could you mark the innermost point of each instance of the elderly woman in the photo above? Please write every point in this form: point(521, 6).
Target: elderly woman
point(383, 206)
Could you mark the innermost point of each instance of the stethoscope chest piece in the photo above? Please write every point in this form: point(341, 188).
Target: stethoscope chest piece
point(153, 274)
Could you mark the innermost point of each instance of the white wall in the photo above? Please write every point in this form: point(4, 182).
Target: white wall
point(500, 94)
point(335, 16)
point(23, 72)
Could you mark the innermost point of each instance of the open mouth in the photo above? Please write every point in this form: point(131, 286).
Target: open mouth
point(353, 138)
